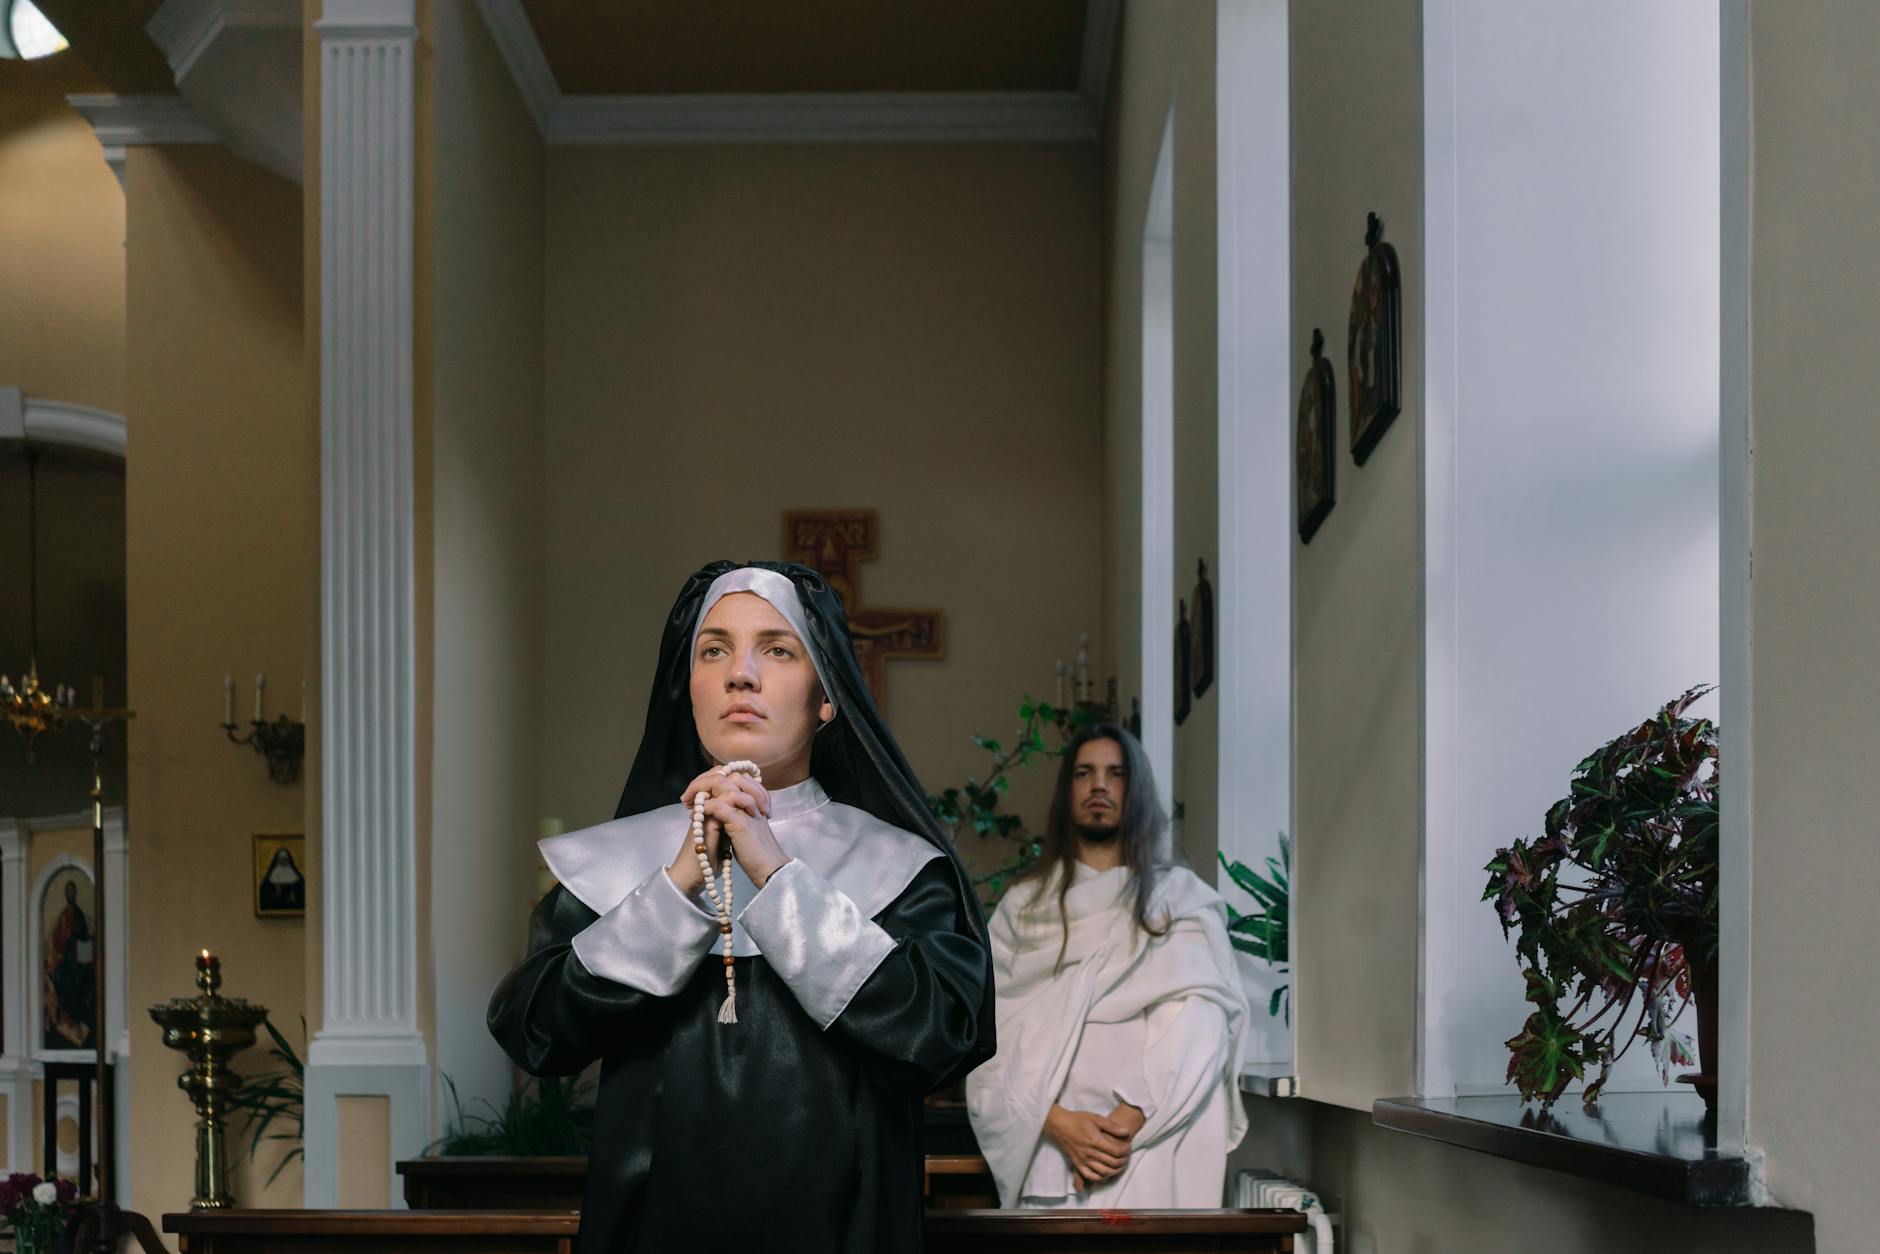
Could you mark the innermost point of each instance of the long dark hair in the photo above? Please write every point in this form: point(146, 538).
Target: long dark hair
point(1142, 822)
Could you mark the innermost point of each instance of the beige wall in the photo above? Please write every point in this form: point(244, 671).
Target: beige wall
point(1357, 99)
point(1814, 265)
point(1356, 643)
point(218, 556)
point(1166, 62)
point(62, 251)
point(486, 782)
point(736, 331)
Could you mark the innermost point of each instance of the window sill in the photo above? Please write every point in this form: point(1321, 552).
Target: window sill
point(1651, 1143)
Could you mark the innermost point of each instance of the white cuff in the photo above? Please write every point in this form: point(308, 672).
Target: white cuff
point(815, 938)
point(651, 941)
point(1136, 1093)
point(690, 899)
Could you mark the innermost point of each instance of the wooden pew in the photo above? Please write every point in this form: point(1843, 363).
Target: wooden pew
point(373, 1231)
point(952, 1181)
point(552, 1232)
point(1108, 1232)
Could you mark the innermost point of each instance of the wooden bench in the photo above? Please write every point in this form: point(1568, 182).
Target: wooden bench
point(552, 1232)
point(950, 1181)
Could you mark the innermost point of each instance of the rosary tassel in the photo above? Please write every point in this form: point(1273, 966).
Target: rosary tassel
point(728, 1013)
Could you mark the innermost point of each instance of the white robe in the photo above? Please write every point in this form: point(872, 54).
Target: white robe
point(1158, 1022)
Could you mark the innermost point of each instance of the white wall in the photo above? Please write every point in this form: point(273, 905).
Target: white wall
point(1158, 470)
point(1253, 581)
point(1572, 472)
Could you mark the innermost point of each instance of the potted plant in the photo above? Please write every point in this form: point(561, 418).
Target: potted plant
point(1614, 910)
point(36, 1211)
point(1264, 933)
point(548, 1117)
point(275, 1095)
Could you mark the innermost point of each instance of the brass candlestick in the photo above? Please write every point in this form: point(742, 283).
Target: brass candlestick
point(212, 1029)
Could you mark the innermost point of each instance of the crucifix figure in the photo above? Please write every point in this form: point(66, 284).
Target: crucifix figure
point(835, 543)
point(98, 1221)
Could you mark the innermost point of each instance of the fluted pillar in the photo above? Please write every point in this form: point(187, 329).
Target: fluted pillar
point(16, 1063)
point(369, 1044)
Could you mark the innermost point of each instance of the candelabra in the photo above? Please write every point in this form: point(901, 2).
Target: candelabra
point(282, 741)
point(1082, 708)
point(34, 710)
point(211, 1029)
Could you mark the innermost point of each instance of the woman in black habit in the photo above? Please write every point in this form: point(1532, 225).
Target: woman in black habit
point(769, 1098)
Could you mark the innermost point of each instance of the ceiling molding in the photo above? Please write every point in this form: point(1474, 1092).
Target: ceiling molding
point(799, 117)
point(515, 38)
point(124, 122)
point(39, 421)
point(237, 66)
point(185, 29)
point(811, 118)
point(1102, 25)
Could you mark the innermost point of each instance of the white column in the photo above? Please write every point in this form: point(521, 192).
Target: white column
point(16, 1066)
point(369, 1043)
point(116, 874)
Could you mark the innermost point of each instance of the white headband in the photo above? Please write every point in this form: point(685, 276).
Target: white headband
point(781, 594)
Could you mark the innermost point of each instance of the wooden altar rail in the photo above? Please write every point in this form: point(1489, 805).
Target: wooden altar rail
point(952, 1181)
point(552, 1232)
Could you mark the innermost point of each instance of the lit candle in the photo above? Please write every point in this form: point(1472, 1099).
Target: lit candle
point(261, 688)
point(205, 958)
point(228, 700)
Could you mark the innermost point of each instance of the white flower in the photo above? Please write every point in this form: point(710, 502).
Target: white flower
point(46, 1193)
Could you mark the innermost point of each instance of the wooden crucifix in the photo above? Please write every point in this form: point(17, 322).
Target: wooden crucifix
point(834, 543)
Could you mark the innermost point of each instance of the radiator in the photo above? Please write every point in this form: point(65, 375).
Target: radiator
point(1266, 1190)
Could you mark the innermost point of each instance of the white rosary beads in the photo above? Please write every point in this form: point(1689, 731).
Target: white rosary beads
point(721, 903)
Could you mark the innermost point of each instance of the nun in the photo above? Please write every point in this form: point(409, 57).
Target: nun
point(772, 949)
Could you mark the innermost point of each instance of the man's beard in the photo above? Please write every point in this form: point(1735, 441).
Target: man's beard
point(1100, 835)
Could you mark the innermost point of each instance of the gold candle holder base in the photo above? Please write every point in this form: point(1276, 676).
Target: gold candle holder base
point(210, 1029)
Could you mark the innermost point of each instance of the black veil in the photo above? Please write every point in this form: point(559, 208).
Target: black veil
point(855, 758)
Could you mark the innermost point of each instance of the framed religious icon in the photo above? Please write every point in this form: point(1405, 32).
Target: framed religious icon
point(280, 875)
point(1314, 465)
point(1204, 629)
point(1374, 343)
point(67, 959)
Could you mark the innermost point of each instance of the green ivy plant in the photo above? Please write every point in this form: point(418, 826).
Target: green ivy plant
point(1615, 905)
point(1265, 933)
point(975, 805)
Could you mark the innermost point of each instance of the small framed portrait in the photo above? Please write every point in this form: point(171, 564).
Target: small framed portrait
point(280, 875)
point(1374, 343)
point(1314, 464)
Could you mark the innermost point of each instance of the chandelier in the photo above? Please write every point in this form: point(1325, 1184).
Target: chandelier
point(32, 709)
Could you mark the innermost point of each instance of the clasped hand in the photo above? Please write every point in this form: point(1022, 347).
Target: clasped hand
point(737, 807)
point(1097, 1145)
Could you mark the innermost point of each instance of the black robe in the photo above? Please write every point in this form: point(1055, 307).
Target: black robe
point(768, 1134)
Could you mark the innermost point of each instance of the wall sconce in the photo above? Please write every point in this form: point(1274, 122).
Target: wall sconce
point(283, 741)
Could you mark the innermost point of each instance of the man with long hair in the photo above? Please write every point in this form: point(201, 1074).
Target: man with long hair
point(1120, 1014)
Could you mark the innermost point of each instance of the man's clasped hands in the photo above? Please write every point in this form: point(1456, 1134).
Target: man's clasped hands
point(1097, 1145)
